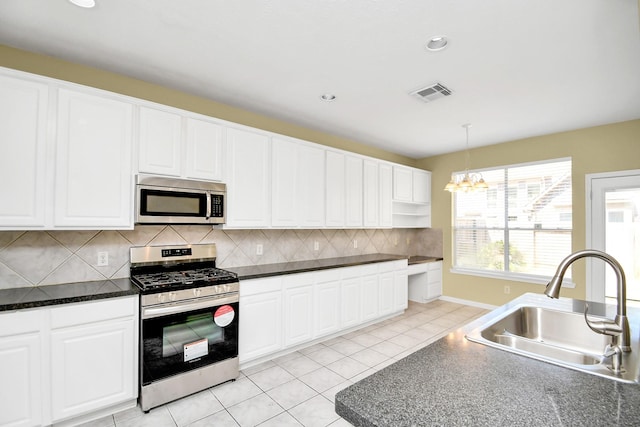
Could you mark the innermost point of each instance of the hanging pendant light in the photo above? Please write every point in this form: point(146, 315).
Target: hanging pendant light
point(468, 181)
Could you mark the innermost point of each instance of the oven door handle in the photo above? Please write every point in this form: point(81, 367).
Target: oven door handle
point(183, 307)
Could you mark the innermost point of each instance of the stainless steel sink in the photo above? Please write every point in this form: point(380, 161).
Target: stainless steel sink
point(556, 334)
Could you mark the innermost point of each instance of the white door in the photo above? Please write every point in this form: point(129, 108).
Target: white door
point(613, 226)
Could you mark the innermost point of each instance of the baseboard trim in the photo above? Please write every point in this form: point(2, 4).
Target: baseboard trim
point(468, 302)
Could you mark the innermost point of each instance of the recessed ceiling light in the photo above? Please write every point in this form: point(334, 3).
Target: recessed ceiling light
point(87, 4)
point(437, 43)
point(328, 97)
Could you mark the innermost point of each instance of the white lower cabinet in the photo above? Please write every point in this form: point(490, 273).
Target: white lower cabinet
point(68, 361)
point(21, 377)
point(260, 317)
point(326, 303)
point(425, 281)
point(297, 291)
point(282, 312)
point(93, 356)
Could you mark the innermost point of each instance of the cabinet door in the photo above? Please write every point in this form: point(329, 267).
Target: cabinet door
point(351, 309)
point(402, 184)
point(401, 290)
point(326, 301)
point(385, 192)
point(23, 128)
point(335, 189)
point(369, 297)
point(160, 142)
point(248, 180)
point(421, 186)
point(298, 309)
point(204, 150)
point(434, 280)
point(371, 193)
point(284, 183)
point(93, 177)
point(21, 377)
point(260, 325)
point(311, 189)
point(353, 182)
point(92, 366)
point(386, 293)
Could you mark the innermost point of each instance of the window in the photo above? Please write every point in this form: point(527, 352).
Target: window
point(521, 226)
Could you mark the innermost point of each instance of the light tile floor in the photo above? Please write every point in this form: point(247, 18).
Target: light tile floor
point(298, 389)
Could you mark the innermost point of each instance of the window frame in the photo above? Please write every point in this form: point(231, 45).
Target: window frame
point(504, 274)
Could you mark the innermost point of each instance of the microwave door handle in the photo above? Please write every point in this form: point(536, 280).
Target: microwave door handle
point(208, 213)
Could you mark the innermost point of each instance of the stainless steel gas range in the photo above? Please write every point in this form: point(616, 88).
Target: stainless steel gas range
point(189, 314)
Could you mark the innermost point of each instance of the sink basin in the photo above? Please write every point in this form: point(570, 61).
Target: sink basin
point(551, 335)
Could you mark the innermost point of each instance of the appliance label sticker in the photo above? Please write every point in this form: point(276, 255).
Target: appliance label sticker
point(196, 349)
point(224, 315)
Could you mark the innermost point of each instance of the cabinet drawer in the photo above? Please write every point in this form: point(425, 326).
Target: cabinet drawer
point(259, 286)
point(391, 266)
point(89, 312)
point(435, 265)
point(20, 322)
point(296, 280)
point(330, 275)
point(417, 269)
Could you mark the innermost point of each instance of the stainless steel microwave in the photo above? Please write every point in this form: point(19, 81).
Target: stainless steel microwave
point(162, 200)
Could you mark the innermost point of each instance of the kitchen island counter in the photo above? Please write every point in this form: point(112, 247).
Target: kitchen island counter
point(455, 382)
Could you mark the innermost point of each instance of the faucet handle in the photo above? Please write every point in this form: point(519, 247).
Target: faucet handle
point(604, 326)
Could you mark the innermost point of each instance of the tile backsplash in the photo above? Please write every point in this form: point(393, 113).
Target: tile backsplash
point(37, 258)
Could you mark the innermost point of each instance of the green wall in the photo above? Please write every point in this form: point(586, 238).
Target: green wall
point(76, 73)
point(607, 148)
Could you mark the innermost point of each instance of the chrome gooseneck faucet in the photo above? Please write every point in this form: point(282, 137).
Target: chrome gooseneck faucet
point(618, 329)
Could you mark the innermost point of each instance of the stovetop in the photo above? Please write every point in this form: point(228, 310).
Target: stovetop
point(183, 279)
point(169, 268)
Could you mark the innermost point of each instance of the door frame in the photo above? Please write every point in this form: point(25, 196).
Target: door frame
point(595, 271)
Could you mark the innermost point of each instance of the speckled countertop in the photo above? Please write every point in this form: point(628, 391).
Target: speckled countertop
point(455, 382)
point(266, 270)
point(39, 296)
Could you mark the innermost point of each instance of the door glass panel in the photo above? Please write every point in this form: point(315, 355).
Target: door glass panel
point(622, 233)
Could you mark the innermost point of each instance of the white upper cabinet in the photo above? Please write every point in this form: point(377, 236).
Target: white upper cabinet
point(371, 194)
point(248, 179)
point(411, 207)
point(204, 150)
point(93, 179)
point(160, 142)
point(311, 193)
point(421, 186)
point(175, 144)
point(298, 187)
point(353, 192)
point(386, 194)
point(23, 145)
point(335, 189)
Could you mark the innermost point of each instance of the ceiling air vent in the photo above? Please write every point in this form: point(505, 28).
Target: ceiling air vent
point(431, 93)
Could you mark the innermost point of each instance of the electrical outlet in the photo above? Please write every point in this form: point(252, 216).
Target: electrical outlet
point(395, 241)
point(507, 289)
point(259, 249)
point(355, 244)
point(316, 246)
point(103, 259)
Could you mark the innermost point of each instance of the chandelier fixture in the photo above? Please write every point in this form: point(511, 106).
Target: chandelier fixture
point(468, 181)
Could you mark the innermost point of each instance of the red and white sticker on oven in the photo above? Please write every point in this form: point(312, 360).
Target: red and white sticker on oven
point(224, 315)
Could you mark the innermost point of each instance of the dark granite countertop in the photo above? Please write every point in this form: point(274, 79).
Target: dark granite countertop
point(423, 259)
point(455, 382)
point(39, 296)
point(267, 270)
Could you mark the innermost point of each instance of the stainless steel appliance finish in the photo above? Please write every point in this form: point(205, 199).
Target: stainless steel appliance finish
point(162, 200)
point(189, 312)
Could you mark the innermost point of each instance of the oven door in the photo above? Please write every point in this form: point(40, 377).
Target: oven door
point(180, 337)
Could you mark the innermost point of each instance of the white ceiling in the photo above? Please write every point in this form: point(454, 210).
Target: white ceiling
point(516, 68)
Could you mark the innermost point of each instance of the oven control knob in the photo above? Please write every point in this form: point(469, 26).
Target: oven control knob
point(197, 292)
point(172, 296)
point(161, 298)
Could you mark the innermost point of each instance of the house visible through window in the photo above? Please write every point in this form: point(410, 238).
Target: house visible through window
point(520, 226)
